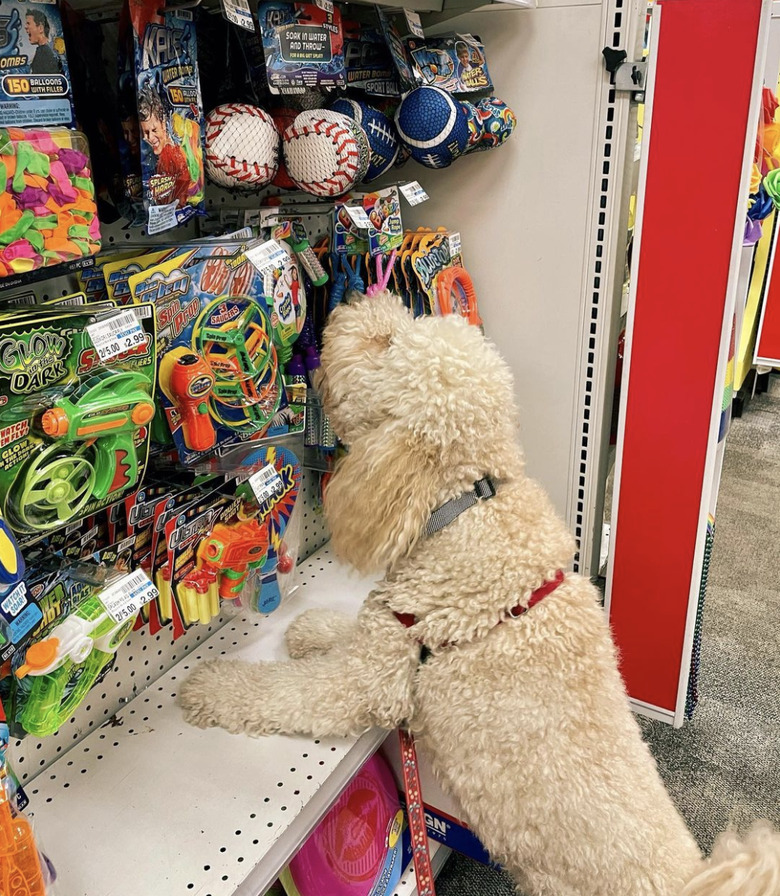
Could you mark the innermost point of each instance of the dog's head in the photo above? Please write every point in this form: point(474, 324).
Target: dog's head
point(426, 407)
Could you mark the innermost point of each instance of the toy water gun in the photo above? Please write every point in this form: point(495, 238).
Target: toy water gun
point(188, 381)
point(92, 453)
point(20, 865)
point(224, 559)
point(75, 652)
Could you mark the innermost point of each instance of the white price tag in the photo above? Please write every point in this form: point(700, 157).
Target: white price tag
point(238, 12)
point(266, 483)
point(267, 255)
point(414, 22)
point(413, 193)
point(454, 241)
point(125, 597)
point(358, 215)
point(116, 334)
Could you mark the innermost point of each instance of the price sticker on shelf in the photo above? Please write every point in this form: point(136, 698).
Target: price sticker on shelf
point(266, 483)
point(117, 334)
point(238, 12)
point(125, 597)
point(413, 193)
point(267, 256)
point(414, 22)
point(358, 215)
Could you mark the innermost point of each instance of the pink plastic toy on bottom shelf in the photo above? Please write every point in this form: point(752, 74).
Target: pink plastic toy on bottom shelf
point(357, 849)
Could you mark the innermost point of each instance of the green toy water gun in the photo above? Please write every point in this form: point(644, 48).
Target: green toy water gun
point(75, 653)
point(92, 453)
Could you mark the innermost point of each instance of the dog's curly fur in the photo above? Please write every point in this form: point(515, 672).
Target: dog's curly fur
point(526, 723)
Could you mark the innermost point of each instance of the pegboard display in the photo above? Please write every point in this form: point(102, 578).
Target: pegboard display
point(235, 808)
point(144, 658)
point(407, 886)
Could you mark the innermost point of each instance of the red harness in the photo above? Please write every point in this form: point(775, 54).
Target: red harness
point(407, 620)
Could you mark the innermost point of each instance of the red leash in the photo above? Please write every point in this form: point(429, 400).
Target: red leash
point(414, 805)
point(416, 815)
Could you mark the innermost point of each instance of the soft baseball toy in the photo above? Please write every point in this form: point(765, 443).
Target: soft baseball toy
point(326, 153)
point(242, 146)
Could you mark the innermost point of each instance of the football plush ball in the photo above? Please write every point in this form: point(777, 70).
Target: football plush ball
point(326, 153)
point(497, 121)
point(380, 131)
point(242, 146)
point(433, 125)
point(474, 124)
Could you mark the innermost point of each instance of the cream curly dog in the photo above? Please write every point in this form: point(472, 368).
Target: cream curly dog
point(524, 717)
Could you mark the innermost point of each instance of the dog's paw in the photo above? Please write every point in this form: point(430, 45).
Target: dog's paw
point(315, 631)
point(208, 696)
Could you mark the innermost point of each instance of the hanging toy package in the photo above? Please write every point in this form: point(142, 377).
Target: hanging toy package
point(271, 477)
point(23, 870)
point(170, 114)
point(35, 88)
point(303, 45)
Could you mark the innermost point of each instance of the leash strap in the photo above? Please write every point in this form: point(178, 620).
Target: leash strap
point(414, 810)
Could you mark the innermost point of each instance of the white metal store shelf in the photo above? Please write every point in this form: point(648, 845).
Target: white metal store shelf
point(407, 886)
point(155, 806)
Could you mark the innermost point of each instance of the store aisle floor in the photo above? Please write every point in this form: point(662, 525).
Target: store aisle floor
point(722, 768)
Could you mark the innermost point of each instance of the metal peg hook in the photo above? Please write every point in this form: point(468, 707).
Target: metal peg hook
point(175, 7)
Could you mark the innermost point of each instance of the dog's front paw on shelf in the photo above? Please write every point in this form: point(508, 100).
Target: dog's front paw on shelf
point(314, 631)
point(207, 696)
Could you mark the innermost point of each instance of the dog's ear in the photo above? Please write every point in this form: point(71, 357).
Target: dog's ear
point(462, 403)
point(379, 498)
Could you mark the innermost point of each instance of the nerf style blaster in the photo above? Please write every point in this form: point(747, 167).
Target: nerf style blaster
point(224, 559)
point(92, 452)
point(75, 653)
point(105, 413)
point(231, 551)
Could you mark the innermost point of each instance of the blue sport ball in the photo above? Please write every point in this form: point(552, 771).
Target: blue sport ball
point(380, 130)
point(433, 125)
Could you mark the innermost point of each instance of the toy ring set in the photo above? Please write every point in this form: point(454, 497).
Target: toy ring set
point(219, 342)
point(426, 270)
point(75, 412)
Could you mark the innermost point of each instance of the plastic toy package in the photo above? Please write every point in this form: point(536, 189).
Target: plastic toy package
point(268, 480)
point(303, 46)
point(368, 62)
point(455, 63)
point(75, 409)
point(219, 345)
point(35, 88)
point(170, 114)
point(24, 870)
point(72, 649)
point(47, 208)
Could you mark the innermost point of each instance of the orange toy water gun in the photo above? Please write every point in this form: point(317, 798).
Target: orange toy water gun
point(224, 559)
point(231, 551)
point(20, 865)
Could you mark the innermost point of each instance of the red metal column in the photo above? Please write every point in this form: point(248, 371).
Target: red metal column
point(690, 202)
